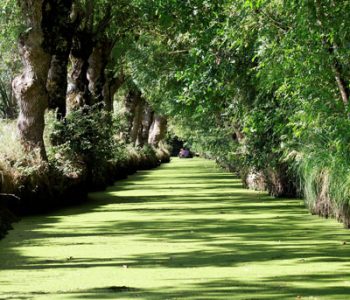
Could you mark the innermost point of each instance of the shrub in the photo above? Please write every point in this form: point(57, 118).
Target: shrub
point(86, 136)
point(15, 164)
point(323, 162)
point(264, 146)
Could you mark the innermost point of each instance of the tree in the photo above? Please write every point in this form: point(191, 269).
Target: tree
point(63, 22)
point(30, 86)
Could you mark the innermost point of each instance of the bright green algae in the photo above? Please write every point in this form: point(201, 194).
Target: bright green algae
point(186, 230)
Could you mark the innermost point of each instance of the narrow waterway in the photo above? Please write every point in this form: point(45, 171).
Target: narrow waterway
point(186, 230)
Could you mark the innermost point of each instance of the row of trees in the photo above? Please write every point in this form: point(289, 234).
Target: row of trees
point(260, 85)
point(70, 57)
point(72, 53)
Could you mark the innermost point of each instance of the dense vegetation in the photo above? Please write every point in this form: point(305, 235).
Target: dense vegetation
point(71, 136)
point(262, 86)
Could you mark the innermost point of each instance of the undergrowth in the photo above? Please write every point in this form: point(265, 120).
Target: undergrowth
point(323, 163)
point(83, 155)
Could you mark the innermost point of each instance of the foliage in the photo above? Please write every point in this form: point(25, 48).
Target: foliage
point(89, 133)
point(256, 85)
point(10, 27)
point(268, 70)
point(13, 160)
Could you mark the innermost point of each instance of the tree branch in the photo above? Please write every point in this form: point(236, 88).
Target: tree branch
point(10, 195)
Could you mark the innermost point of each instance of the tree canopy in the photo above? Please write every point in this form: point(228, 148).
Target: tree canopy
point(262, 86)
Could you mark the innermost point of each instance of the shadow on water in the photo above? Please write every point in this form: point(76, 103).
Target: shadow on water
point(221, 226)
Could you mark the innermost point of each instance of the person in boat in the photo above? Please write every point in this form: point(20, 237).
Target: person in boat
point(184, 153)
point(181, 153)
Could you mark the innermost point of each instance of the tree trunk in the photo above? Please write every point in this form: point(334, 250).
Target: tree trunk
point(8, 108)
point(158, 130)
point(30, 87)
point(137, 121)
point(341, 83)
point(145, 125)
point(98, 61)
point(237, 134)
point(78, 89)
point(130, 103)
point(60, 40)
point(57, 85)
point(111, 86)
point(89, 58)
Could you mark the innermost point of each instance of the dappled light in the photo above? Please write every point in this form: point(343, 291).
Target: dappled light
point(174, 149)
point(184, 231)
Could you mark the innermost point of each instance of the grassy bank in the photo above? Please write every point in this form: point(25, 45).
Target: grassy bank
point(82, 158)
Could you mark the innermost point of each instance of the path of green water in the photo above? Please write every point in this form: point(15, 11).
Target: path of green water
point(184, 231)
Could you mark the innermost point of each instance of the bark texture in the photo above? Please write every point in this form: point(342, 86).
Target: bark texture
point(130, 104)
point(158, 130)
point(147, 118)
point(111, 86)
point(60, 36)
point(137, 120)
point(89, 57)
point(30, 87)
point(341, 83)
point(78, 90)
point(98, 61)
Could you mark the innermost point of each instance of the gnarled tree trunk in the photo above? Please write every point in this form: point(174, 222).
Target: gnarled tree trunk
point(30, 87)
point(98, 61)
point(60, 38)
point(78, 89)
point(89, 58)
point(158, 130)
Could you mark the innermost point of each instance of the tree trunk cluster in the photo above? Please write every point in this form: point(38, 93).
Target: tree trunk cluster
point(144, 126)
point(60, 33)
